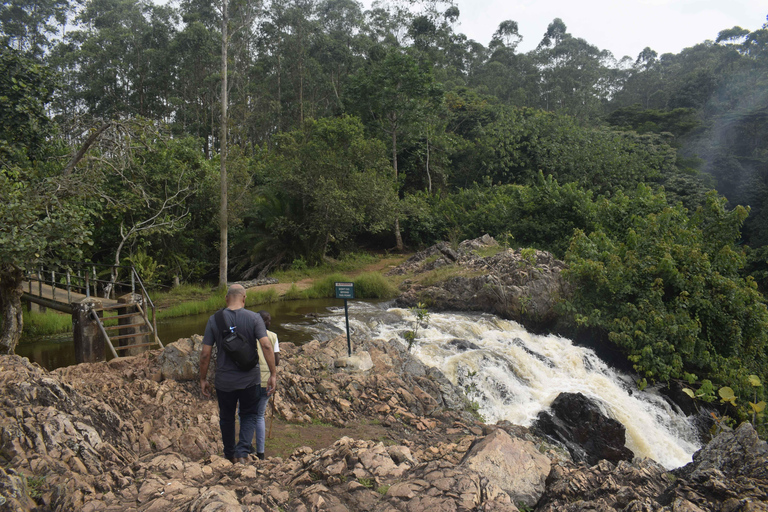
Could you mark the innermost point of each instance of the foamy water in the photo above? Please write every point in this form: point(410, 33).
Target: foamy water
point(513, 374)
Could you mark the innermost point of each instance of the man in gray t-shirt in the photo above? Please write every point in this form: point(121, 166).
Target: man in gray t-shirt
point(235, 387)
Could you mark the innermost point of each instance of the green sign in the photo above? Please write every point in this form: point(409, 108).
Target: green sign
point(345, 290)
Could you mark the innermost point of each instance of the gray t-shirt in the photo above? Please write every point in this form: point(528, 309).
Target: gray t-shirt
point(228, 376)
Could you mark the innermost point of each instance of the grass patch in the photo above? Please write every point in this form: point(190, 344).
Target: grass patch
point(257, 297)
point(293, 293)
point(45, 324)
point(366, 482)
point(214, 301)
point(194, 307)
point(373, 285)
point(325, 288)
point(35, 486)
point(54, 322)
point(347, 263)
point(183, 292)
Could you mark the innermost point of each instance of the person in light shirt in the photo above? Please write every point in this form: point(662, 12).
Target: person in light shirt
point(265, 374)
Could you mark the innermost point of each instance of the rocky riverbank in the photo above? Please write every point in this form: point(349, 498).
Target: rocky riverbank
point(479, 275)
point(134, 434)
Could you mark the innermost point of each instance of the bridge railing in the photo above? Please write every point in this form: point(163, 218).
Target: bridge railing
point(66, 278)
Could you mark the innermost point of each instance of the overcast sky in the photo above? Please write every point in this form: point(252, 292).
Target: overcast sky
point(624, 27)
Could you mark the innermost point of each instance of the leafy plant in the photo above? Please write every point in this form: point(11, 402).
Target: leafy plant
point(366, 482)
point(727, 395)
point(35, 486)
point(422, 320)
point(757, 407)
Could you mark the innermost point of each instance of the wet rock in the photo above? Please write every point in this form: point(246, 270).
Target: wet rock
point(463, 345)
point(514, 465)
point(588, 434)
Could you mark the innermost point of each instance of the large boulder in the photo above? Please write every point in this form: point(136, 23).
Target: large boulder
point(589, 435)
point(521, 285)
point(512, 464)
point(180, 360)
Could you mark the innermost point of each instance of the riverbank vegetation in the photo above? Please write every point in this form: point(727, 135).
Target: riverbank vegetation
point(352, 130)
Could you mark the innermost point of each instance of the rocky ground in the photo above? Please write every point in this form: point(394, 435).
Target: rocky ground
point(134, 434)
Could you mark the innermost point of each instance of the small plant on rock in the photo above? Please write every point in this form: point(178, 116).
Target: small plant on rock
point(366, 482)
point(422, 320)
point(757, 407)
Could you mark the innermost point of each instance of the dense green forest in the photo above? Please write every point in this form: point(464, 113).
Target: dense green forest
point(347, 129)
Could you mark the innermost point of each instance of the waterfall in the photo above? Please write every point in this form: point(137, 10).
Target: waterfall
point(512, 374)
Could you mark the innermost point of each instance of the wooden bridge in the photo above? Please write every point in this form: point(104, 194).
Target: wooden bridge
point(99, 304)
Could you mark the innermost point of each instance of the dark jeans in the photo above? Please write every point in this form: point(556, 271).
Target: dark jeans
point(249, 402)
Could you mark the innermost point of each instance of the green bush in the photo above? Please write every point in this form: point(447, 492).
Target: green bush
point(665, 288)
point(373, 285)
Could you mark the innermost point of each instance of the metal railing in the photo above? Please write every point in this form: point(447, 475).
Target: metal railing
point(66, 278)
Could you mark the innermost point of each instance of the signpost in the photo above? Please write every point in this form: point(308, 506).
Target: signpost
point(346, 291)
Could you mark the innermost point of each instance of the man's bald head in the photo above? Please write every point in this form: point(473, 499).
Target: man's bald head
point(235, 296)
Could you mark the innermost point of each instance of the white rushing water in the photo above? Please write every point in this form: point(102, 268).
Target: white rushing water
point(513, 374)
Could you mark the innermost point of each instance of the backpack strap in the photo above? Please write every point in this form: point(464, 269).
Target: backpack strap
point(221, 322)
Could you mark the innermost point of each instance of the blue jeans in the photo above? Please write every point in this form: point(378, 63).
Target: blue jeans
point(248, 400)
point(260, 423)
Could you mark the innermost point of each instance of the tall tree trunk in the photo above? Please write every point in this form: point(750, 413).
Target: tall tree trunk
point(223, 221)
point(398, 236)
point(429, 176)
point(10, 302)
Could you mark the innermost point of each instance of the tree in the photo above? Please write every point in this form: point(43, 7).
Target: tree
point(392, 93)
point(322, 186)
point(39, 220)
point(576, 75)
point(26, 24)
point(665, 287)
point(118, 61)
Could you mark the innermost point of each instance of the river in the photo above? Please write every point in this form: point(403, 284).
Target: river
point(510, 373)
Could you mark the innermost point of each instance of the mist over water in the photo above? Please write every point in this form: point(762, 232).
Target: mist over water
point(513, 374)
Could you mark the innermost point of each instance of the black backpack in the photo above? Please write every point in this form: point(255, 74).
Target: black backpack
point(243, 354)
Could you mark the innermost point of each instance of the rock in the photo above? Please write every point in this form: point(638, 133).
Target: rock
point(180, 360)
point(107, 437)
point(256, 282)
point(605, 486)
point(517, 285)
point(14, 494)
point(734, 453)
point(589, 435)
point(514, 465)
point(733, 468)
point(358, 362)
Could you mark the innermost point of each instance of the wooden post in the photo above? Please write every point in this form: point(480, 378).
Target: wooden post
point(40, 287)
point(89, 341)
